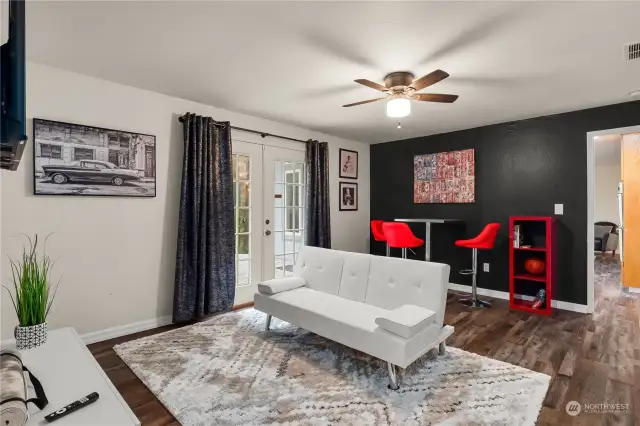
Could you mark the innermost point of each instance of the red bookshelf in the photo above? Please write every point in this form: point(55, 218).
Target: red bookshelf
point(536, 232)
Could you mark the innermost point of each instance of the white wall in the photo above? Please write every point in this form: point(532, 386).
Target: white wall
point(607, 179)
point(117, 255)
point(608, 175)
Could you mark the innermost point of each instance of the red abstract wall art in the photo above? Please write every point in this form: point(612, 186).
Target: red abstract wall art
point(445, 177)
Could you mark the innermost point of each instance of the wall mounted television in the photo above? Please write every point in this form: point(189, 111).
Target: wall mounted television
point(13, 134)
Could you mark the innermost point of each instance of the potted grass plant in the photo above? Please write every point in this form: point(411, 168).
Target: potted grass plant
point(32, 296)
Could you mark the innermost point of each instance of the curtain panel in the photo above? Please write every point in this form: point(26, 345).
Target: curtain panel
point(205, 260)
point(318, 218)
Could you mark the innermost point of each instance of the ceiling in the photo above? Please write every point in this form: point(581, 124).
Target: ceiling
point(295, 62)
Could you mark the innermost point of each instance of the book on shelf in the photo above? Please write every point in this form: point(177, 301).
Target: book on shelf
point(516, 236)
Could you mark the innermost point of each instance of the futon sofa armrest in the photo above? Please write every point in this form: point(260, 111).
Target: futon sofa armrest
point(278, 285)
point(407, 320)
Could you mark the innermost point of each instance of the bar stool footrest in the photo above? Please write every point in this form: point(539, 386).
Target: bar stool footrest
point(466, 272)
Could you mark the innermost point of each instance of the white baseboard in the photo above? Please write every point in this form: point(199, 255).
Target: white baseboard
point(558, 304)
point(123, 330)
point(112, 332)
point(634, 289)
point(481, 291)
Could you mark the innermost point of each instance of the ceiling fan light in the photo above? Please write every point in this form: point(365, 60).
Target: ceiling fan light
point(398, 108)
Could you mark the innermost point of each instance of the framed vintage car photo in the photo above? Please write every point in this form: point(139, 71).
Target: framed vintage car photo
point(348, 164)
point(74, 159)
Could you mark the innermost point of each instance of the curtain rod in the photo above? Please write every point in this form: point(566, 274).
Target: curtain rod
point(255, 132)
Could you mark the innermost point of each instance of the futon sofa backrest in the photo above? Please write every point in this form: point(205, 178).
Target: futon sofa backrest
point(386, 282)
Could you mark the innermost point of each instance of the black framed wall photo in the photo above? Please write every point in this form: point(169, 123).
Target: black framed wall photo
point(348, 164)
point(348, 196)
point(73, 159)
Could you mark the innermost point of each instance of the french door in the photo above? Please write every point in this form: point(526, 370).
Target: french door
point(247, 189)
point(269, 190)
point(284, 177)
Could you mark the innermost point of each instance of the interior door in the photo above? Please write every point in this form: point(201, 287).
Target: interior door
point(631, 209)
point(247, 190)
point(284, 191)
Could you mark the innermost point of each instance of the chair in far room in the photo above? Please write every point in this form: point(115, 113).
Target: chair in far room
point(378, 234)
point(399, 235)
point(606, 237)
point(484, 241)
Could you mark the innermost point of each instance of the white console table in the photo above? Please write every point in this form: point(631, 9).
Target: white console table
point(68, 371)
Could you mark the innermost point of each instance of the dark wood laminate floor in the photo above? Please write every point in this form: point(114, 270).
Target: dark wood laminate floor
point(591, 358)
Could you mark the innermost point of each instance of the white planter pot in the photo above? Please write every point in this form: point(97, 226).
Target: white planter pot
point(31, 337)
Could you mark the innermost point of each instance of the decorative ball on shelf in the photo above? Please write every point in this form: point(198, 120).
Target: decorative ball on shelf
point(535, 266)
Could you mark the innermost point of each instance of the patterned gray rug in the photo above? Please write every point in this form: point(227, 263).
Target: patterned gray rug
point(229, 371)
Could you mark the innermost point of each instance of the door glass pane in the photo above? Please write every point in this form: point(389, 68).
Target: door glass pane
point(243, 246)
point(288, 169)
point(289, 219)
point(243, 220)
point(243, 167)
point(278, 239)
point(300, 173)
point(289, 239)
point(235, 168)
point(288, 214)
point(288, 264)
point(241, 194)
point(278, 219)
point(243, 273)
point(279, 266)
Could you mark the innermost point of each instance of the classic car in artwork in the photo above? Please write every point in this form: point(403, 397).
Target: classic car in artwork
point(89, 170)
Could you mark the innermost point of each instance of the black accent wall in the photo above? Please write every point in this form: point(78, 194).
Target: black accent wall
point(522, 168)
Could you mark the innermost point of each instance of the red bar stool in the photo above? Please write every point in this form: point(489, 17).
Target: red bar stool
point(399, 235)
point(378, 233)
point(484, 241)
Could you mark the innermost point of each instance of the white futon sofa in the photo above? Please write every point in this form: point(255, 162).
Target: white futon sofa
point(390, 308)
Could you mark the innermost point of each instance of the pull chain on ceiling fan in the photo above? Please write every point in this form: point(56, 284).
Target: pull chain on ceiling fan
point(400, 88)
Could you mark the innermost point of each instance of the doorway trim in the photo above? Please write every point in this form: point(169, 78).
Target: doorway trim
point(591, 195)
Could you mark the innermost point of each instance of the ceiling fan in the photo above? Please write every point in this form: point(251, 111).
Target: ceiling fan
point(401, 87)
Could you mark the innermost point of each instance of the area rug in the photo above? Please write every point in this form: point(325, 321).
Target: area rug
point(230, 371)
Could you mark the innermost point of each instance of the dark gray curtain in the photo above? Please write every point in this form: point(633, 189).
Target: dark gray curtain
point(205, 261)
point(318, 221)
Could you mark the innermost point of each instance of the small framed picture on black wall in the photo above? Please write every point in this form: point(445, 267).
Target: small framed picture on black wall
point(348, 164)
point(348, 196)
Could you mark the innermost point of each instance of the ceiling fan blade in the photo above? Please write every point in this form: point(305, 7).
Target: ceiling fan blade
point(429, 79)
point(363, 102)
point(434, 97)
point(371, 84)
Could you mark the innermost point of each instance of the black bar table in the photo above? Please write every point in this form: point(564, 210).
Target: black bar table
point(427, 237)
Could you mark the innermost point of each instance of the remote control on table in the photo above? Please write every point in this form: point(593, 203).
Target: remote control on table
point(74, 406)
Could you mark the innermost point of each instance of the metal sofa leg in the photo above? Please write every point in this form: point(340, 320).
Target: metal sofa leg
point(393, 377)
point(268, 323)
point(442, 348)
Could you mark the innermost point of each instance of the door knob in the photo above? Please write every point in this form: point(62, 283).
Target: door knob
point(267, 221)
point(267, 232)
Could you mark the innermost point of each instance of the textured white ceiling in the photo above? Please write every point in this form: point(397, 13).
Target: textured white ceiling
point(295, 62)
